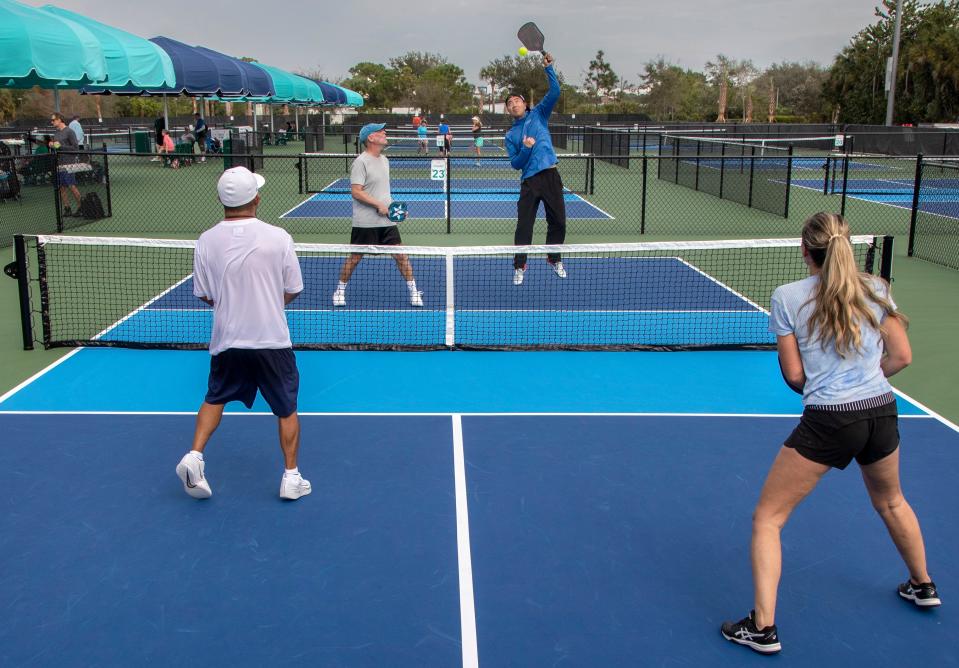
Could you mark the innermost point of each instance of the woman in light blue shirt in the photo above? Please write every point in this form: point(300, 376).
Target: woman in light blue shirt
point(839, 337)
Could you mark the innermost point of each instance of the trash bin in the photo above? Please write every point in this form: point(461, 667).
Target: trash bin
point(141, 142)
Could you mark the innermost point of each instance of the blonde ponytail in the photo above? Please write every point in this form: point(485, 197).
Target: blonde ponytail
point(840, 303)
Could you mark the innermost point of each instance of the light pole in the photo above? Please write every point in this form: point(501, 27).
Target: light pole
point(893, 66)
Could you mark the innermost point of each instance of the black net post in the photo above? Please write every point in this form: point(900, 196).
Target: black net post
point(752, 172)
point(23, 287)
point(885, 267)
point(916, 188)
point(642, 215)
point(591, 165)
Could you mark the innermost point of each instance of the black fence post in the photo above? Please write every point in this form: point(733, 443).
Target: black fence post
point(845, 184)
point(642, 220)
point(591, 163)
point(699, 151)
point(449, 188)
point(56, 189)
point(23, 287)
point(789, 179)
point(106, 181)
point(916, 188)
point(722, 168)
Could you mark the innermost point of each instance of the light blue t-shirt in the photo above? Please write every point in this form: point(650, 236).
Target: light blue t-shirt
point(830, 379)
point(421, 132)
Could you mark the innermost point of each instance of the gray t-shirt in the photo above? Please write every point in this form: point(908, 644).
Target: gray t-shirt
point(68, 143)
point(374, 175)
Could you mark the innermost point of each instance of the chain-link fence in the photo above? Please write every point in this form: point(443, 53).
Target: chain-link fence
point(462, 199)
point(934, 229)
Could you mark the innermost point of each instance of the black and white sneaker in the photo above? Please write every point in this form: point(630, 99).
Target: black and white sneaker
point(924, 595)
point(744, 632)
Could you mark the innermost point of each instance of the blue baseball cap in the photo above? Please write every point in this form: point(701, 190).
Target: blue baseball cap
point(369, 129)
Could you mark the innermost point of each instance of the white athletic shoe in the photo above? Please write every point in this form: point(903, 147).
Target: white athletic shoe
point(339, 297)
point(416, 298)
point(294, 486)
point(559, 269)
point(190, 471)
point(518, 276)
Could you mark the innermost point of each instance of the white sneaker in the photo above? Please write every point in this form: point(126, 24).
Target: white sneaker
point(416, 298)
point(518, 276)
point(294, 486)
point(190, 470)
point(339, 297)
point(559, 269)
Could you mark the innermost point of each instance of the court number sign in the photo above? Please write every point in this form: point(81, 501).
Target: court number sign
point(438, 170)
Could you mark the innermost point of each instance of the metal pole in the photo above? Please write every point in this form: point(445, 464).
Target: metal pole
point(891, 100)
point(166, 113)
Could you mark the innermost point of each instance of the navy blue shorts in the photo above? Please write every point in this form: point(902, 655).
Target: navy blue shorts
point(237, 373)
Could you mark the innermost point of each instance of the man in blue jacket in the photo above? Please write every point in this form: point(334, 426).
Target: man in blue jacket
point(530, 149)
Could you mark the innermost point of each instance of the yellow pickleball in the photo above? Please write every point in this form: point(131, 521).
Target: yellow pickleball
point(523, 50)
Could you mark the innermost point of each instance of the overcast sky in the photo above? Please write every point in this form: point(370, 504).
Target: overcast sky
point(331, 36)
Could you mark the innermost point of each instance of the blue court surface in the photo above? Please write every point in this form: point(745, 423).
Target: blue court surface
point(469, 509)
point(434, 205)
point(669, 302)
point(938, 199)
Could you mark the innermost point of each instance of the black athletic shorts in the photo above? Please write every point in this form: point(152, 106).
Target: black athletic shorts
point(388, 235)
point(237, 373)
point(835, 438)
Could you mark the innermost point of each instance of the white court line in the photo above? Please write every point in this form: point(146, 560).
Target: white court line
point(932, 413)
point(464, 558)
point(49, 367)
point(932, 416)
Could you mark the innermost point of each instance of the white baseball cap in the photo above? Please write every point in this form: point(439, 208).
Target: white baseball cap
point(238, 186)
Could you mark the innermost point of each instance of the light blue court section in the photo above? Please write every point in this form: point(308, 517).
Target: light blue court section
point(483, 329)
point(435, 382)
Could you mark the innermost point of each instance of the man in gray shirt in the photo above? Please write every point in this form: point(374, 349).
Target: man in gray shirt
point(65, 141)
point(370, 186)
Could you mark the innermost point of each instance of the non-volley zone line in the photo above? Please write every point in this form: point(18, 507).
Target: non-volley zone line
point(433, 205)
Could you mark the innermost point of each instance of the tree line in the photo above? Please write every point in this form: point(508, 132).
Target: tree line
point(852, 89)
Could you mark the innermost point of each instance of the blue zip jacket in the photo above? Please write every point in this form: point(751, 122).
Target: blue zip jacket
point(534, 124)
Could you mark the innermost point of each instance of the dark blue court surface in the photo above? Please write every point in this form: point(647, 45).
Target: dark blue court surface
point(474, 509)
point(434, 205)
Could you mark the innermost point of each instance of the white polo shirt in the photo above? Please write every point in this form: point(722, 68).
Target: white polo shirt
point(246, 266)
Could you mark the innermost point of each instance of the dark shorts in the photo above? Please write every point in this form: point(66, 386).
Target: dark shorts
point(376, 236)
point(834, 438)
point(66, 179)
point(237, 373)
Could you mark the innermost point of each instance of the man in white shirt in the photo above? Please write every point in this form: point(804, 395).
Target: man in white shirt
point(247, 271)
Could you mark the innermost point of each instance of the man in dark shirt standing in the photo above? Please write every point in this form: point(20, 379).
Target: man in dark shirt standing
point(200, 130)
point(65, 141)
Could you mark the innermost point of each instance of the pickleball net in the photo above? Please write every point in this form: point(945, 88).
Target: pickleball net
point(89, 291)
